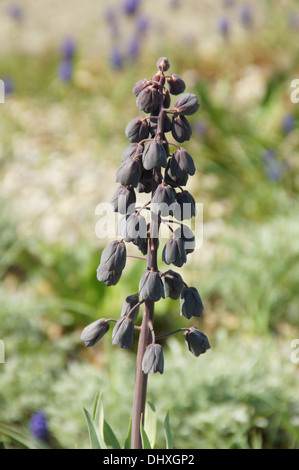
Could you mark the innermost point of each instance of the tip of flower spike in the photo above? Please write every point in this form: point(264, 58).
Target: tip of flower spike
point(163, 64)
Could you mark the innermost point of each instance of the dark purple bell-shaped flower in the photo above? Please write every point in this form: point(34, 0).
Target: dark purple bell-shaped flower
point(137, 129)
point(123, 332)
point(175, 85)
point(124, 200)
point(94, 332)
point(148, 99)
point(185, 208)
point(186, 104)
point(131, 305)
point(181, 129)
point(154, 156)
point(151, 286)
point(196, 341)
point(174, 252)
point(128, 174)
point(190, 303)
point(173, 284)
point(113, 261)
point(163, 200)
point(153, 359)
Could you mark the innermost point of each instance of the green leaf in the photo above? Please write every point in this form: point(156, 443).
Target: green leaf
point(100, 419)
point(127, 443)
point(21, 438)
point(110, 438)
point(144, 437)
point(93, 435)
point(150, 423)
point(169, 444)
point(95, 407)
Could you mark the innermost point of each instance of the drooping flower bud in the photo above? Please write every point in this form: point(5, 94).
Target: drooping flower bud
point(173, 284)
point(184, 232)
point(113, 261)
point(137, 129)
point(94, 332)
point(151, 286)
point(175, 84)
point(148, 99)
point(185, 208)
point(186, 104)
point(132, 151)
point(182, 162)
point(178, 178)
point(163, 64)
point(123, 332)
point(153, 359)
point(131, 302)
point(145, 182)
point(163, 200)
point(181, 129)
point(196, 341)
point(174, 252)
point(140, 85)
point(124, 200)
point(132, 227)
point(190, 303)
point(129, 172)
point(154, 156)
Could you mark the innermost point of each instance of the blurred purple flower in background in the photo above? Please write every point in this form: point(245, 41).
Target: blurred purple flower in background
point(134, 48)
point(174, 3)
point(142, 23)
point(9, 86)
point(200, 127)
point(67, 52)
point(65, 70)
point(110, 17)
point(288, 123)
point(274, 168)
point(68, 48)
point(246, 16)
point(131, 6)
point(116, 58)
point(38, 426)
point(15, 11)
point(223, 26)
point(228, 3)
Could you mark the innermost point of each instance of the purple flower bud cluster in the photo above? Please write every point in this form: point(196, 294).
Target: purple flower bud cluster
point(38, 426)
point(153, 164)
point(66, 64)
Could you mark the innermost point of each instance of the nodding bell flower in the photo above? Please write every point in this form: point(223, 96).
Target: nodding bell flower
point(181, 129)
point(186, 234)
point(145, 182)
point(154, 156)
point(148, 99)
point(163, 64)
point(94, 332)
point(124, 200)
point(140, 85)
point(190, 303)
point(163, 200)
point(137, 130)
point(153, 359)
point(186, 104)
point(129, 172)
point(185, 207)
point(151, 286)
point(133, 150)
point(175, 84)
point(196, 341)
point(131, 302)
point(173, 284)
point(113, 261)
point(174, 252)
point(182, 162)
point(123, 332)
point(133, 228)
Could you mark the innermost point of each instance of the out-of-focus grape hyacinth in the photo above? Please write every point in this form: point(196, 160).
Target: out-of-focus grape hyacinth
point(273, 166)
point(246, 16)
point(116, 58)
point(130, 7)
point(288, 123)
point(66, 65)
point(9, 85)
point(15, 11)
point(224, 26)
point(38, 426)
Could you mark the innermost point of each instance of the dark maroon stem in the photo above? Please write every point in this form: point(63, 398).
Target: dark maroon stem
point(145, 337)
